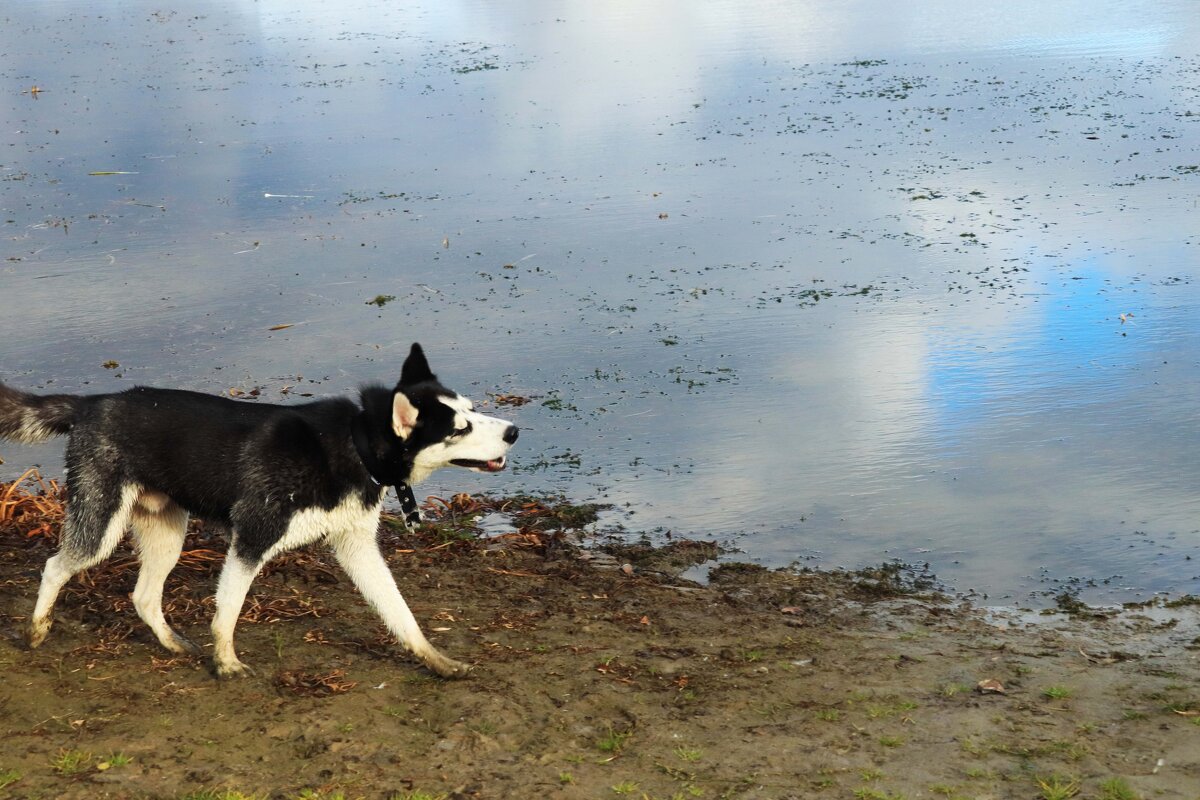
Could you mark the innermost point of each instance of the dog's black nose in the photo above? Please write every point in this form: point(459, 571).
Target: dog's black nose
point(510, 435)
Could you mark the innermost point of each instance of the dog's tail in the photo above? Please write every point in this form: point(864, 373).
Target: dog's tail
point(31, 418)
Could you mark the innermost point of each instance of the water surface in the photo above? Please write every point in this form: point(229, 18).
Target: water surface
point(832, 285)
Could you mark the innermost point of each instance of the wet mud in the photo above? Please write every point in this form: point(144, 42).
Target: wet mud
point(596, 674)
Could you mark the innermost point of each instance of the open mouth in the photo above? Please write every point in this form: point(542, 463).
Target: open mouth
point(494, 465)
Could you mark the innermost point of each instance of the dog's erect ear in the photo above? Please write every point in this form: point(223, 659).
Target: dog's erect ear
point(416, 368)
point(404, 415)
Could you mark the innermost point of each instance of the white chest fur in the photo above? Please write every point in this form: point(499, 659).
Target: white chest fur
point(314, 524)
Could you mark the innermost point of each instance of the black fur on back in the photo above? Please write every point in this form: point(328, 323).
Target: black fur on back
point(248, 465)
point(243, 464)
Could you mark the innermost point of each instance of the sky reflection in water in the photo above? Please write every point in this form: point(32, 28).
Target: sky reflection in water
point(831, 284)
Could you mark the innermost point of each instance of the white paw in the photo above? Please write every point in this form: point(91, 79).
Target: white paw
point(37, 631)
point(232, 669)
point(182, 645)
point(447, 667)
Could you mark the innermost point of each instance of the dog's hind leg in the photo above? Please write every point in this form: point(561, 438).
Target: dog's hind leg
point(236, 577)
point(358, 553)
point(94, 525)
point(159, 527)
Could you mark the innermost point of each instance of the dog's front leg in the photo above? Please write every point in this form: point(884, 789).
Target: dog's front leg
point(358, 553)
point(231, 594)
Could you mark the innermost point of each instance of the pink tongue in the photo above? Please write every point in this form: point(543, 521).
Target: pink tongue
point(495, 466)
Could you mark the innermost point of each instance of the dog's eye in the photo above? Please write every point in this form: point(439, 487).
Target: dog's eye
point(463, 431)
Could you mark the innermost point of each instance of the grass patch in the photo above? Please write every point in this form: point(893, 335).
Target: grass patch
point(1056, 787)
point(613, 741)
point(114, 761)
point(867, 793)
point(8, 777)
point(1116, 789)
point(71, 762)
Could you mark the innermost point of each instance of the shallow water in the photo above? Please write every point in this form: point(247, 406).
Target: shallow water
point(833, 285)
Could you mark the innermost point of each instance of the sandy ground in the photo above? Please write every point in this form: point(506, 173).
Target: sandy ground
point(597, 675)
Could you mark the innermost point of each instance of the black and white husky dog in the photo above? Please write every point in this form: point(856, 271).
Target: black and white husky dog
point(278, 477)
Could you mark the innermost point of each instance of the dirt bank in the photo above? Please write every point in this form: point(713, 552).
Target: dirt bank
point(592, 680)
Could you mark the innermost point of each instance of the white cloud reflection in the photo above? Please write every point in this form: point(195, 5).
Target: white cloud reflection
point(658, 173)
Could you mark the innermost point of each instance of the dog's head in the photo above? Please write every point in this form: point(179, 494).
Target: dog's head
point(441, 428)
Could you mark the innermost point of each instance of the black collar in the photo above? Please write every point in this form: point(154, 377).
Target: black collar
point(385, 473)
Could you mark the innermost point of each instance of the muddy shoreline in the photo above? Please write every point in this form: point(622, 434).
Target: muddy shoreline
point(596, 675)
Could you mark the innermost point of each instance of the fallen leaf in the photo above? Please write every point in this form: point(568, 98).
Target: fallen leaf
point(510, 399)
point(281, 327)
point(990, 686)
